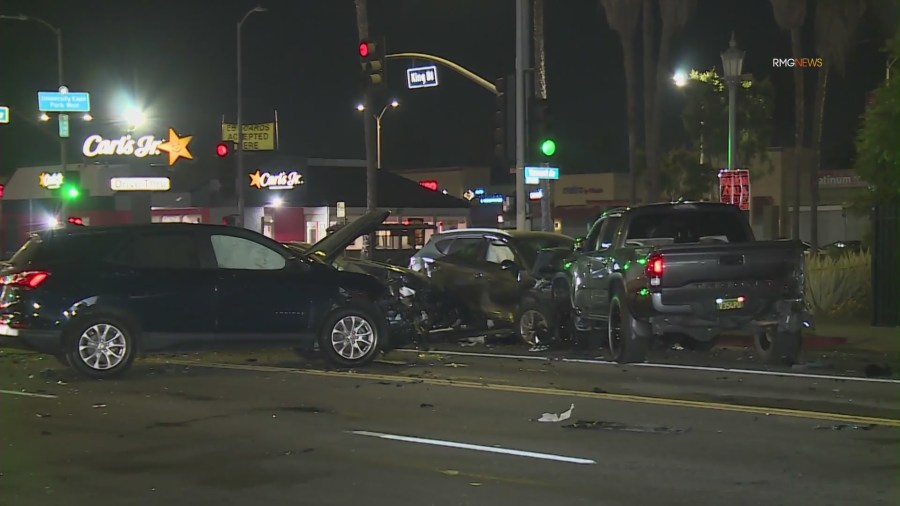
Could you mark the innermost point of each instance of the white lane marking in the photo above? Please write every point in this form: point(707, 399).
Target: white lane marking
point(664, 366)
point(480, 448)
point(28, 394)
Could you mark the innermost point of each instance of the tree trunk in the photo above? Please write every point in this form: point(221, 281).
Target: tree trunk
point(660, 75)
point(631, 98)
point(651, 149)
point(818, 120)
point(799, 129)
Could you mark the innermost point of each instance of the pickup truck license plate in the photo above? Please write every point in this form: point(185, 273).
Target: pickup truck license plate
point(730, 304)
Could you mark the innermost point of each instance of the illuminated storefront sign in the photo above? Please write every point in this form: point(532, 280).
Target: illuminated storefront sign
point(493, 199)
point(140, 184)
point(280, 181)
point(176, 147)
point(51, 180)
point(429, 184)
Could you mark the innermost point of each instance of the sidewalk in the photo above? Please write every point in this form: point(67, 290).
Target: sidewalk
point(840, 336)
point(854, 336)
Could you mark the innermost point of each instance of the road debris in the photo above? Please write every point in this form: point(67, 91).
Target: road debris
point(845, 426)
point(450, 472)
point(623, 427)
point(553, 417)
point(598, 390)
point(99, 405)
point(455, 365)
point(426, 405)
point(472, 341)
point(878, 371)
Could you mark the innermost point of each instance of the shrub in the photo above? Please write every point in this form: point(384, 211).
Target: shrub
point(839, 287)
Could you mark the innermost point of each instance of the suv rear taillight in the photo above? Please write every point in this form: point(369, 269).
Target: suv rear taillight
point(27, 279)
point(654, 268)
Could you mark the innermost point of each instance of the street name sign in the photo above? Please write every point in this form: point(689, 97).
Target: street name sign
point(4, 114)
point(541, 172)
point(70, 101)
point(64, 126)
point(422, 77)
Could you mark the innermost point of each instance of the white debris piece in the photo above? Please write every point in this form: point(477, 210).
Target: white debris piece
point(553, 417)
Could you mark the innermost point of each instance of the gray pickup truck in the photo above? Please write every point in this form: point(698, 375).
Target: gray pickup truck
point(687, 269)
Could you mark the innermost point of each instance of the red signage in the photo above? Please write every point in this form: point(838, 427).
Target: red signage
point(1, 190)
point(431, 184)
point(734, 188)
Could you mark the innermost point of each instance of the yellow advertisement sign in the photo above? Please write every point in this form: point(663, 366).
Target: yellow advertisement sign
point(257, 136)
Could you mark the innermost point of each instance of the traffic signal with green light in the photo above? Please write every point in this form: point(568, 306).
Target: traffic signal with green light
point(71, 189)
point(542, 134)
point(371, 61)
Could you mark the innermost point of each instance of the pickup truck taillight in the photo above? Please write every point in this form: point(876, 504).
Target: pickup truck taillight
point(654, 268)
point(27, 279)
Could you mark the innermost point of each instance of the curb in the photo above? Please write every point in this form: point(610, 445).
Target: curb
point(808, 341)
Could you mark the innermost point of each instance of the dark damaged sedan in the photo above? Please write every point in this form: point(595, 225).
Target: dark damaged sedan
point(97, 297)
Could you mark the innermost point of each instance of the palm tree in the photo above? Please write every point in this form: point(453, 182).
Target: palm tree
point(835, 23)
point(623, 16)
point(790, 15)
point(651, 149)
point(674, 15)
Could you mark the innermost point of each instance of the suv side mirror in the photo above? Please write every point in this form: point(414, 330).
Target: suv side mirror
point(509, 265)
point(579, 244)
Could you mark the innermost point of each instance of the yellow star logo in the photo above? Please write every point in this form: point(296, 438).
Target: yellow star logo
point(256, 180)
point(177, 147)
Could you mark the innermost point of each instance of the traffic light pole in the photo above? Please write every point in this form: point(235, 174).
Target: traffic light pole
point(540, 75)
point(362, 25)
point(521, 55)
point(459, 69)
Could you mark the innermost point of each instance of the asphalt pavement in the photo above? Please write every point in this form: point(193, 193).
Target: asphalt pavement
point(459, 426)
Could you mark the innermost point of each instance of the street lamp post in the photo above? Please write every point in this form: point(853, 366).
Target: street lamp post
point(393, 105)
point(732, 61)
point(239, 188)
point(59, 72)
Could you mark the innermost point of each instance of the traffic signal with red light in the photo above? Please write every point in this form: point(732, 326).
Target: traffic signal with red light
point(371, 61)
point(222, 150)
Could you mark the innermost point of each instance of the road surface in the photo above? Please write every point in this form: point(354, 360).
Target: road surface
point(440, 429)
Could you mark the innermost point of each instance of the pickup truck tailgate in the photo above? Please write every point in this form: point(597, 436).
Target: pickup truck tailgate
point(754, 266)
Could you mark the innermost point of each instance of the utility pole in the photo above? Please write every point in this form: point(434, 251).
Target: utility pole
point(362, 25)
point(521, 55)
point(540, 77)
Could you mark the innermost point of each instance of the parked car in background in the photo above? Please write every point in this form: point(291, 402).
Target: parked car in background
point(97, 297)
point(494, 279)
point(690, 269)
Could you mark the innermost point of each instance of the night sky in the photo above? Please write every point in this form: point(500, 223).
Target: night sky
point(176, 59)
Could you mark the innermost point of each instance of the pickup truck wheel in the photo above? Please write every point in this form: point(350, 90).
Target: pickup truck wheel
point(624, 345)
point(778, 348)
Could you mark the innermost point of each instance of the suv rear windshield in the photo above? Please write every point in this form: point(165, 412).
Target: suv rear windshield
point(689, 225)
point(63, 247)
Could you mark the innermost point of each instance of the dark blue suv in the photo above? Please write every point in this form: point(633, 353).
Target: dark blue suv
point(96, 297)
